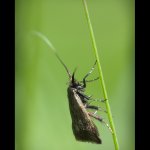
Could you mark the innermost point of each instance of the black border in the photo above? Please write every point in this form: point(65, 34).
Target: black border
point(8, 74)
point(142, 68)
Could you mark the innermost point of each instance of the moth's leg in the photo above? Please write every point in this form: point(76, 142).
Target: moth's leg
point(89, 99)
point(90, 80)
point(95, 108)
point(100, 119)
point(98, 100)
point(84, 81)
point(85, 97)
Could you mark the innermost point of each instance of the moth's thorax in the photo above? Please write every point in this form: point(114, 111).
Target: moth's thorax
point(74, 84)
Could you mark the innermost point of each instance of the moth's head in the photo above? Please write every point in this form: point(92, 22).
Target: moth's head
point(74, 83)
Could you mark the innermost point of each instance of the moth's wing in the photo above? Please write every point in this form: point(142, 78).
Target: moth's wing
point(83, 127)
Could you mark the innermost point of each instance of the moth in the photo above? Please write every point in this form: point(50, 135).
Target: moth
point(83, 127)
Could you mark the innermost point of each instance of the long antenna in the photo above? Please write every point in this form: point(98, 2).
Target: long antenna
point(50, 45)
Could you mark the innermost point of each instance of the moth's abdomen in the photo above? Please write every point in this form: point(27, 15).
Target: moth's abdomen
point(83, 127)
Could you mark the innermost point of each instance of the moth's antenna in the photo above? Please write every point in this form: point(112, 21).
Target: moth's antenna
point(45, 39)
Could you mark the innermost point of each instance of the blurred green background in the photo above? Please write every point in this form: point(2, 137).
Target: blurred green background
point(42, 117)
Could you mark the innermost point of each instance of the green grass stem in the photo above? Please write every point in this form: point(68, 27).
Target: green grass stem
point(101, 76)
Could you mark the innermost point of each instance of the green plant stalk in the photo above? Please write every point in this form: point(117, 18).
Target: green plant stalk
point(101, 77)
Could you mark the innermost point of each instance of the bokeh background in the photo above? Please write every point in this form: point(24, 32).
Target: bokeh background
point(42, 117)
